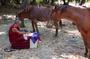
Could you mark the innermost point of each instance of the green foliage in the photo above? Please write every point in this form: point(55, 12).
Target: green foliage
point(17, 3)
point(38, 1)
point(87, 0)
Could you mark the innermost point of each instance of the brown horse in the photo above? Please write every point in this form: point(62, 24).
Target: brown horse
point(80, 16)
point(36, 13)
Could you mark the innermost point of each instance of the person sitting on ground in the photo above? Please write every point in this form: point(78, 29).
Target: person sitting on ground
point(16, 38)
point(19, 39)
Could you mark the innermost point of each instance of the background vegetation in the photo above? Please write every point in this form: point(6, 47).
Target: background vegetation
point(23, 3)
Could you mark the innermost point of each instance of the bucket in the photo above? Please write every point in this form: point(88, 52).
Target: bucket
point(33, 45)
point(34, 40)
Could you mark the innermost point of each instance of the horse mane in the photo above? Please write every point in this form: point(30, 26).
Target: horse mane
point(26, 9)
point(62, 7)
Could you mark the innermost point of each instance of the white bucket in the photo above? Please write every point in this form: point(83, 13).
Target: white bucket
point(33, 45)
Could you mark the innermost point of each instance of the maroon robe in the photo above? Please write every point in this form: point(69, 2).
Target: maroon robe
point(17, 40)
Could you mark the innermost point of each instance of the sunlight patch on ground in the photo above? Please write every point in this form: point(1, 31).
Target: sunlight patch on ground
point(10, 16)
point(54, 57)
point(1, 33)
point(74, 32)
point(15, 57)
point(68, 56)
point(12, 57)
point(5, 16)
point(71, 56)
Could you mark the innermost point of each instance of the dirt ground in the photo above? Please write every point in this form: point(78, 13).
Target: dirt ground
point(68, 44)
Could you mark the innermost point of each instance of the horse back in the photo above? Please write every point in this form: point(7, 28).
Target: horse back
point(40, 12)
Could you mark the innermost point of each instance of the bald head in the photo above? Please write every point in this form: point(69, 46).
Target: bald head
point(17, 22)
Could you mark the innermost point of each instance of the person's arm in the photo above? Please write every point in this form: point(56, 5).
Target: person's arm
point(17, 31)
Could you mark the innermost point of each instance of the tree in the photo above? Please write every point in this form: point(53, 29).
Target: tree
point(46, 1)
point(23, 3)
point(5, 2)
point(33, 2)
point(82, 2)
point(52, 2)
point(65, 2)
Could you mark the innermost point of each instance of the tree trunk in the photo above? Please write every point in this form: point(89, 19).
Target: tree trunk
point(46, 1)
point(4, 2)
point(63, 1)
point(33, 2)
point(66, 2)
point(24, 4)
point(52, 2)
point(82, 2)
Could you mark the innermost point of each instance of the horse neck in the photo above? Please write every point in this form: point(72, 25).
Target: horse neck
point(72, 14)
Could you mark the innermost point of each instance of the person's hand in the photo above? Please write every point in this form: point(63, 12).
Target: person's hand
point(27, 32)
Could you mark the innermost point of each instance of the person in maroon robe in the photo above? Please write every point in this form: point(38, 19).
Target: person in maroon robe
point(16, 38)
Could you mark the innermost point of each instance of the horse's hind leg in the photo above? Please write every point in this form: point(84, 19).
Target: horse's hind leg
point(85, 44)
point(89, 54)
point(85, 41)
point(33, 26)
point(86, 52)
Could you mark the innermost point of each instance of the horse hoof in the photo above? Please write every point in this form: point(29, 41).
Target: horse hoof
point(55, 35)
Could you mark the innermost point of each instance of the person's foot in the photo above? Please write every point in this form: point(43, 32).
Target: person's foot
point(9, 49)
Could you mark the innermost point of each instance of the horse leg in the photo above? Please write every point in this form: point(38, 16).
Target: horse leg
point(36, 27)
point(85, 44)
point(60, 23)
point(56, 26)
point(85, 41)
point(33, 26)
point(88, 43)
point(86, 52)
point(86, 49)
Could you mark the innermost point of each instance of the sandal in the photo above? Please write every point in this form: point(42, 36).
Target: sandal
point(9, 50)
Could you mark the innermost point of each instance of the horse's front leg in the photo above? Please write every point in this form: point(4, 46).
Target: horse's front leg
point(60, 23)
point(36, 27)
point(56, 26)
point(33, 26)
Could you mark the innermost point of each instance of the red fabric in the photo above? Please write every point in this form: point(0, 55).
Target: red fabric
point(17, 41)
